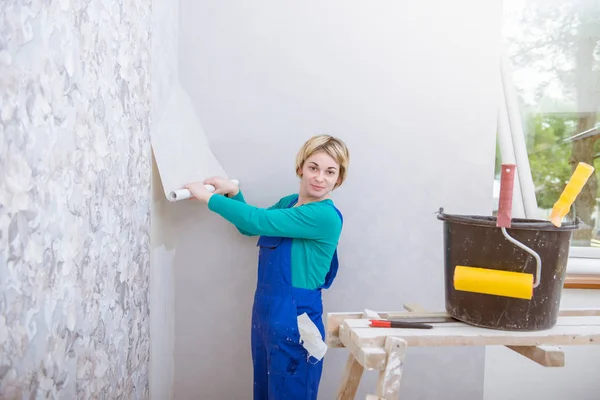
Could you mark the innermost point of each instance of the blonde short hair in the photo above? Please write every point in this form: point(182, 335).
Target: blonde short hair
point(334, 147)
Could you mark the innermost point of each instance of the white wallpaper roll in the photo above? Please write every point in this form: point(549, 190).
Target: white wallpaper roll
point(183, 194)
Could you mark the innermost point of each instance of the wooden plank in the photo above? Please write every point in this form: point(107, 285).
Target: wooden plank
point(579, 312)
point(370, 358)
point(547, 356)
point(335, 318)
point(358, 359)
point(582, 282)
point(388, 384)
point(350, 379)
point(466, 335)
point(384, 349)
point(388, 315)
point(574, 321)
point(332, 328)
point(413, 307)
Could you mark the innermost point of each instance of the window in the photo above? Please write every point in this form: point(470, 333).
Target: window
point(552, 50)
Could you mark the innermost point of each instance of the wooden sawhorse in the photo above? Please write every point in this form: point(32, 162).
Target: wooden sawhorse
point(384, 349)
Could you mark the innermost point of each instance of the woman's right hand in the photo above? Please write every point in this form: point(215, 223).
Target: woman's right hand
point(222, 186)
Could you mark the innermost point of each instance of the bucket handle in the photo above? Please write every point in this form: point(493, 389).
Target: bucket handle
point(507, 179)
point(538, 260)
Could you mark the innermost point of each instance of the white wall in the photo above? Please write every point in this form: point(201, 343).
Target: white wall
point(411, 89)
point(510, 376)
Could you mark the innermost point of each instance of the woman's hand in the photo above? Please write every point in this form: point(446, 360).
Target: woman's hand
point(223, 186)
point(198, 191)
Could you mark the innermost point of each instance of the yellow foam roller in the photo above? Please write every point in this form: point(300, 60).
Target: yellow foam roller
point(493, 282)
point(571, 191)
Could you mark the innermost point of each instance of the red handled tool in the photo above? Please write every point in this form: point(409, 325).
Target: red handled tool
point(382, 323)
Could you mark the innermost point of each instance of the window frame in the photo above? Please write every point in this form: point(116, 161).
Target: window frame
point(581, 273)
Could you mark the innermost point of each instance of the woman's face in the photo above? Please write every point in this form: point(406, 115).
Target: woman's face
point(320, 173)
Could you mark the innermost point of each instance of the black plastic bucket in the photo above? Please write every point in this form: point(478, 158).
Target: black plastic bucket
point(476, 241)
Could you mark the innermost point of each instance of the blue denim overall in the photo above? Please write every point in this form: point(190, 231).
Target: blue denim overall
point(283, 369)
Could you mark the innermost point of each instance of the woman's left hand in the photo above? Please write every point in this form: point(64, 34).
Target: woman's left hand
point(199, 191)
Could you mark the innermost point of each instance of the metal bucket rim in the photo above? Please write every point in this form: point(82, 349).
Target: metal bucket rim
point(516, 223)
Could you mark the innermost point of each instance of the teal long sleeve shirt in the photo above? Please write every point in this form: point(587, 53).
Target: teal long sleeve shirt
point(315, 229)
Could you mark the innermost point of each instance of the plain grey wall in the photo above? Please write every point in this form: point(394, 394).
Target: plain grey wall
point(411, 88)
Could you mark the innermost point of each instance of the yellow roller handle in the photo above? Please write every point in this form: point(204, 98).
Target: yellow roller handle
point(492, 281)
point(571, 191)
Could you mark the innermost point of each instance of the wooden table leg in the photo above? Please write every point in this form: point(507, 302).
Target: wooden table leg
point(388, 385)
point(350, 379)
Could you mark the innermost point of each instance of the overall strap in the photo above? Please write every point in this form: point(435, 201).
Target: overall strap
point(294, 201)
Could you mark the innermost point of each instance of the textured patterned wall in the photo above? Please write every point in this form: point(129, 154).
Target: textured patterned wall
point(74, 199)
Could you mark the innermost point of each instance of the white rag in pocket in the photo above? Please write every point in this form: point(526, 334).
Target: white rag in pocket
point(310, 337)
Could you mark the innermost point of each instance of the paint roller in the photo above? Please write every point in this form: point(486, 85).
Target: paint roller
point(182, 194)
point(508, 283)
point(499, 282)
point(571, 191)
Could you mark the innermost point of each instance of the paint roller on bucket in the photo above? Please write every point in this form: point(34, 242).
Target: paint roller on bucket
point(509, 283)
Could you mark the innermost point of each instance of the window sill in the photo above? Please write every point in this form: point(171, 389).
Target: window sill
point(583, 273)
point(584, 252)
point(582, 282)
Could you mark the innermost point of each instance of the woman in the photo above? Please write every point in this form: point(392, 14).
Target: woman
point(297, 258)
